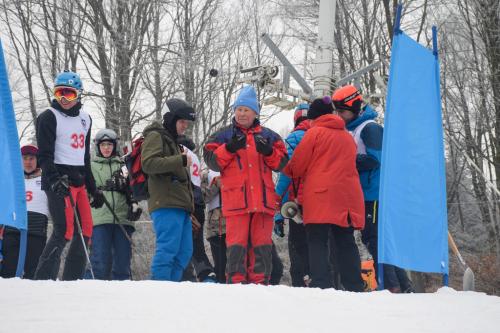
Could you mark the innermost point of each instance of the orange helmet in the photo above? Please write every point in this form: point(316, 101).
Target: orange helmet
point(347, 98)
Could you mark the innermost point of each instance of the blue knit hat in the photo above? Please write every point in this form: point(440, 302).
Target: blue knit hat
point(248, 98)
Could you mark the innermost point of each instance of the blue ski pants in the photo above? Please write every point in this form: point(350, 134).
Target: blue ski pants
point(174, 243)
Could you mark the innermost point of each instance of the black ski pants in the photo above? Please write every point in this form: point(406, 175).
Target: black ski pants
point(277, 267)
point(346, 252)
point(297, 250)
point(10, 251)
point(199, 262)
point(394, 277)
point(50, 260)
point(218, 249)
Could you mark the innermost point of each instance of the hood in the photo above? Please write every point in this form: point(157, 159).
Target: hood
point(156, 126)
point(303, 126)
point(366, 113)
point(329, 121)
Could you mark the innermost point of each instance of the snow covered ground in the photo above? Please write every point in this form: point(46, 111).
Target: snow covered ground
point(147, 306)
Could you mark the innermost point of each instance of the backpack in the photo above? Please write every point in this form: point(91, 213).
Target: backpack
point(138, 179)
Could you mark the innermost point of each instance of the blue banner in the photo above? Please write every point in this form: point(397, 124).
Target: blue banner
point(413, 215)
point(12, 193)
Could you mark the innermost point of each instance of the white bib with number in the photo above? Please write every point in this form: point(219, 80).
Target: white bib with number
point(70, 138)
point(356, 134)
point(36, 200)
point(195, 168)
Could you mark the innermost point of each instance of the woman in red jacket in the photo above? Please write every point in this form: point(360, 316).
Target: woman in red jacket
point(332, 199)
point(246, 153)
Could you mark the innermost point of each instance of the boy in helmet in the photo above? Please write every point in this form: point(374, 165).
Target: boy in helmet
point(38, 210)
point(360, 121)
point(246, 154)
point(170, 200)
point(63, 136)
point(114, 222)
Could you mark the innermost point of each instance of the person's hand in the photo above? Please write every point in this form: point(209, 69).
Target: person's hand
point(134, 212)
point(237, 142)
point(60, 187)
point(195, 224)
point(279, 228)
point(97, 199)
point(262, 146)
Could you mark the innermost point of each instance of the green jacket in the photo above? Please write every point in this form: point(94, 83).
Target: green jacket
point(169, 184)
point(102, 169)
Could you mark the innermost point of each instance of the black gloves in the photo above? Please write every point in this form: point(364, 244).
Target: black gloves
point(134, 212)
point(263, 146)
point(279, 228)
point(60, 187)
point(117, 183)
point(237, 142)
point(97, 199)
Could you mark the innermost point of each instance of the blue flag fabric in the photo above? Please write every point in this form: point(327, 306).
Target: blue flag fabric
point(413, 215)
point(12, 193)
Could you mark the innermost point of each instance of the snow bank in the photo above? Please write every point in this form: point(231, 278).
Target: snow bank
point(149, 306)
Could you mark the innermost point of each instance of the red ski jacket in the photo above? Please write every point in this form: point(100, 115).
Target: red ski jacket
point(246, 176)
point(326, 161)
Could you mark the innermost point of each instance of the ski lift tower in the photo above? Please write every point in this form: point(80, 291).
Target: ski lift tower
point(263, 75)
point(323, 64)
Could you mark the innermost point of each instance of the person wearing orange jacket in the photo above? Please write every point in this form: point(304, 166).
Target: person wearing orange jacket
point(332, 196)
point(245, 153)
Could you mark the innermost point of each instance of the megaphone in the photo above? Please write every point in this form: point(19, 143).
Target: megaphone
point(291, 210)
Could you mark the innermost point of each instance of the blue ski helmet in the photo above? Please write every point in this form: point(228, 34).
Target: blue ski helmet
point(68, 79)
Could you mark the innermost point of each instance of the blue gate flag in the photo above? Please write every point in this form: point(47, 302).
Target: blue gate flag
point(413, 216)
point(12, 193)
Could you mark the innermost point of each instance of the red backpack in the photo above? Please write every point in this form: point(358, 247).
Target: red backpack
point(138, 179)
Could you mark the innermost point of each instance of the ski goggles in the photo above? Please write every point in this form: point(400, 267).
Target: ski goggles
point(69, 94)
point(105, 135)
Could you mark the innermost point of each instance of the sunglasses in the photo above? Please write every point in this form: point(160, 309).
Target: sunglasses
point(69, 94)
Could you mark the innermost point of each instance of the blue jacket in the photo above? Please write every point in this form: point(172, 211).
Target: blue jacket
point(283, 183)
point(368, 164)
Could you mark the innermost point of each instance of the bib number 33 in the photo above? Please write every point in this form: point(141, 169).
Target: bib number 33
point(77, 141)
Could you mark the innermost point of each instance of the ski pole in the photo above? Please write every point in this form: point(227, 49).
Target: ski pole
point(122, 228)
point(80, 231)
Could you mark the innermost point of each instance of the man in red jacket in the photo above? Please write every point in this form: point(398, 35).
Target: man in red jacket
point(332, 197)
point(246, 153)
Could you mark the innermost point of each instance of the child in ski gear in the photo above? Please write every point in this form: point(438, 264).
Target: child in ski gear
point(63, 136)
point(170, 200)
point(360, 121)
point(111, 249)
point(216, 223)
point(291, 189)
point(38, 211)
point(246, 153)
point(332, 199)
point(199, 262)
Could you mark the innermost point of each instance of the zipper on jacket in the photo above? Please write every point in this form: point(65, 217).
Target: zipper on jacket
point(239, 162)
point(112, 195)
